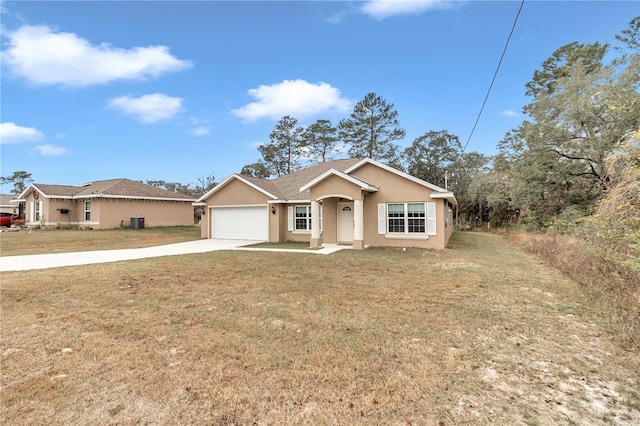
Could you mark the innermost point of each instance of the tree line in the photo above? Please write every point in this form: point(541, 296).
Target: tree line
point(21, 179)
point(577, 145)
point(577, 149)
point(371, 131)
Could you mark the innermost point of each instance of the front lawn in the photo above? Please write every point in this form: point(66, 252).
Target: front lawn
point(69, 240)
point(479, 333)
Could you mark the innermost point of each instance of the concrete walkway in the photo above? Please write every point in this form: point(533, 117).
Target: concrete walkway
point(55, 260)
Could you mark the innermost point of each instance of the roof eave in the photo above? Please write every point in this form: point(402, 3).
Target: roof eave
point(395, 171)
point(446, 196)
point(333, 172)
point(229, 179)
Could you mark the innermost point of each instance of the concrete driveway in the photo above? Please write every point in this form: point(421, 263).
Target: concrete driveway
point(44, 261)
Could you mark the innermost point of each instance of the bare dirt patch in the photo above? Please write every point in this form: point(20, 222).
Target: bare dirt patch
point(379, 336)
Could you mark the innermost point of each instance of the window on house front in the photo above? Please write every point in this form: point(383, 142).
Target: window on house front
point(416, 218)
point(302, 219)
point(87, 210)
point(38, 210)
point(396, 217)
point(407, 218)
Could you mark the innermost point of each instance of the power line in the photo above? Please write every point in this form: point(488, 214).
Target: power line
point(494, 76)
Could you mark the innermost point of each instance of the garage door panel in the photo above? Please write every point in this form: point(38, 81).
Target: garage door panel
point(240, 223)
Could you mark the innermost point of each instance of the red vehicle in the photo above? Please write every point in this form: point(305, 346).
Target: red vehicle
point(6, 219)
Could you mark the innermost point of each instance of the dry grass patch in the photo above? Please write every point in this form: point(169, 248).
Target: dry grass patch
point(285, 245)
point(614, 284)
point(71, 240)
point(379, 336)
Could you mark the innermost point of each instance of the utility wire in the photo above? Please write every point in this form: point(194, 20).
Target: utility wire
point(494, 76)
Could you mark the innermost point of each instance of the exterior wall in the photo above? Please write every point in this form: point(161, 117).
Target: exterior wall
point(110, 213)
point(394, 188)
point(391, 188)
point(9, 209)
point(234, 193)
point(50, 212)
point(330, 220)
point(276, 222)
point(335, 185)
point(52, 207)
point(449, 227)
point(294, 235)
point(335, 189)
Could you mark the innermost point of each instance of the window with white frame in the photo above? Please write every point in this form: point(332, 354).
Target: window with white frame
point(38, 211)
point(302, 218)
point(406, 218)
point(87, 210)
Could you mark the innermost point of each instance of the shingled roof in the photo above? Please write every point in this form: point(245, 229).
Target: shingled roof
point(5, 200)
point(287, 187)
point(290, 184)
point(112, 188)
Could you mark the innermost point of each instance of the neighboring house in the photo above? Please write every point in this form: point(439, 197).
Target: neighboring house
point(5, 203)
point(106, 204)
point(358, 202)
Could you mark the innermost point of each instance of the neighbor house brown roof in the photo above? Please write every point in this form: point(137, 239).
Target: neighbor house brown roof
point(5, 200)
point(112, 188)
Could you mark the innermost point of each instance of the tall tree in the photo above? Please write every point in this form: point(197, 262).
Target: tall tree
point(19, 179)
point(463, 173)
point(631, 36)
point(257, 170)
point(320, 140)
point(560, 63)
point(171, 186)
point(205, 184)
point(283, 153)
point(579, 111)
point(371, 129)
point(432, 155)
point(491, 189)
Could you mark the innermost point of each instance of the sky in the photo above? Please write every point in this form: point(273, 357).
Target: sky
point(180, 91)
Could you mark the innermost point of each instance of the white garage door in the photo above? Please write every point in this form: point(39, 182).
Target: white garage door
point(240, 223)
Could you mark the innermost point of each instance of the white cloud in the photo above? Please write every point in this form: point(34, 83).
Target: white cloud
point(196, 120)
point(381, 9)
point(256, 144)
point(50, 150)
point(337, 17)
point(510, 113)
point(43, 56)
point(200, 131)
point(148, 108)
point(11, 133)
point(297, 98)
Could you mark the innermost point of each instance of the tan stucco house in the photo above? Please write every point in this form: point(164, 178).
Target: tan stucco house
point(106, 204)
point(358, 202)
point(6, 206)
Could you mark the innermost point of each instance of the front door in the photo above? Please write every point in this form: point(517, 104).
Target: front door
point(345, 223)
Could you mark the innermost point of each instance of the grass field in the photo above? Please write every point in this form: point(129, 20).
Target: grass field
point(70, 240)
point(479, 333)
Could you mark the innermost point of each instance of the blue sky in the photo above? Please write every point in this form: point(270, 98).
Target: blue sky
point(177, 91)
